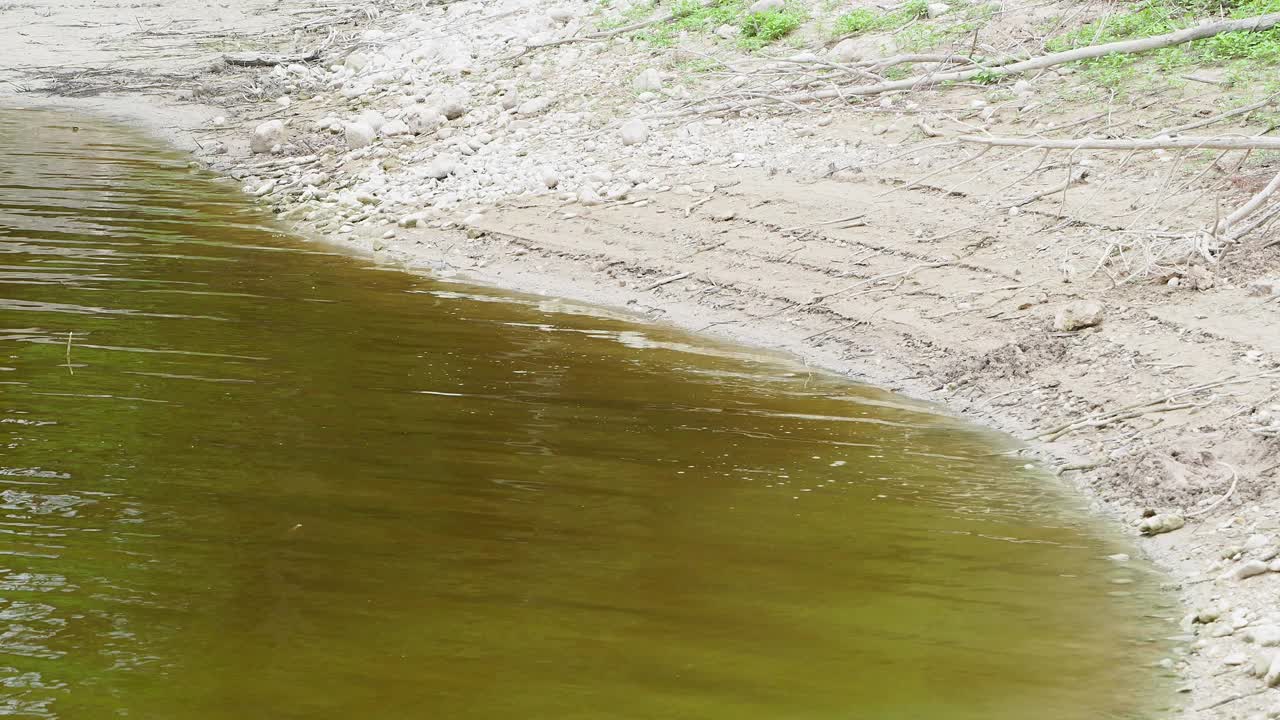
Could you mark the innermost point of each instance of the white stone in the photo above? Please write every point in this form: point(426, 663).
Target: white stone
point(453, 108)
point(394, 128)
point(358, 135)
point(534, 106)
point(1272, 675)
point(649, 79)
point(509, 99)
point(846, 51)
point(560, 14)
point(760, 6)
point(1077, 316)
point(938, 9)
point(1157, 524)
point(423, 119)
point(1263, 635)
point(549, 177)
point(374, 119)
point(728, 32)
point(1249, 569)
point(474, 219)
point(1257, 541)
point(268, 134)
point(356, 61)
point(442, 167)
point(634, 132)
point(587, 196)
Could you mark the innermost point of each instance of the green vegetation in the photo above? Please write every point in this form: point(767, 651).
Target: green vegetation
point(864, 20)
point(756, 30)
point(762, 28)
point(633, 14)
point(1157, 17)
point(1249, 54)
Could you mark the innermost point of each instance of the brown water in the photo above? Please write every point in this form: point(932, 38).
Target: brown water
point(265, 480)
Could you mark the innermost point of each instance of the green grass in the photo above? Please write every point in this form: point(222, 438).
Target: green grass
point(634, 14)
point(1157, 17)
point(1250, 57)
point(865, 20)
point(763, 28)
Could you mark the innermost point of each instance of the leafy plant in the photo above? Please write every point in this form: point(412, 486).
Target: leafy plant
point(760, 29)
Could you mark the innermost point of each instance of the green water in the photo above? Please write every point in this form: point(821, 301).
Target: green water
point(266, 480)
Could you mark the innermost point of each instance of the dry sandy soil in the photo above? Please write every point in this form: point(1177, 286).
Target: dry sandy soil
point(854, 235)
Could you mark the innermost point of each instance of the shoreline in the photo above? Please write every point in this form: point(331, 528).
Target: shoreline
point(918, 286)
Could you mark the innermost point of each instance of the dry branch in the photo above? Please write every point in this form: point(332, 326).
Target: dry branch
point(1201, 32)
point(259, 59)
point(1221, 142)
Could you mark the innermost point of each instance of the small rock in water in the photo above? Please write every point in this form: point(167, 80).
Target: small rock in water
point(267, 135)
point(358, 135)
point(634, 132)
point(1119, 557)
point(1078, 316)
point(1157, 524)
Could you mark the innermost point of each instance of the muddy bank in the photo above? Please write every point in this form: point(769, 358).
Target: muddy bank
point(458, 140)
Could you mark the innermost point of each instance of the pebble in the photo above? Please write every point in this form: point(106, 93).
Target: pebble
point(649, 79)
point(549, 177)
point(534, 106)
point(267, 135)
point(358, 135)
point(634, 132)
point(1263, 635)
point(1157, 524)
point(1249, 569)
point(1078, 316)
point(373, 119)
point(727, 32)
point(441, 168)
point(846, 51)
point(937, 9)
point(760, 6)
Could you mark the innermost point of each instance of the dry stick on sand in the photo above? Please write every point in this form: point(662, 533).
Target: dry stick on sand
point(1137, 409)
point(256, 59)
point(1254, 24)
point(589, 37)
point(1235, 478)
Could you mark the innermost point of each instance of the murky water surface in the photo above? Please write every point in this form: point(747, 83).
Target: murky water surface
point(244, 477)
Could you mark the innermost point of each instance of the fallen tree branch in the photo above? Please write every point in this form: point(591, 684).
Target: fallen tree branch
point(665, 281)
point(1221, 142)
point(1076, 178)
point(260, 59)
point(1235, 478)
point(590, 37)
point(1124, 47)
